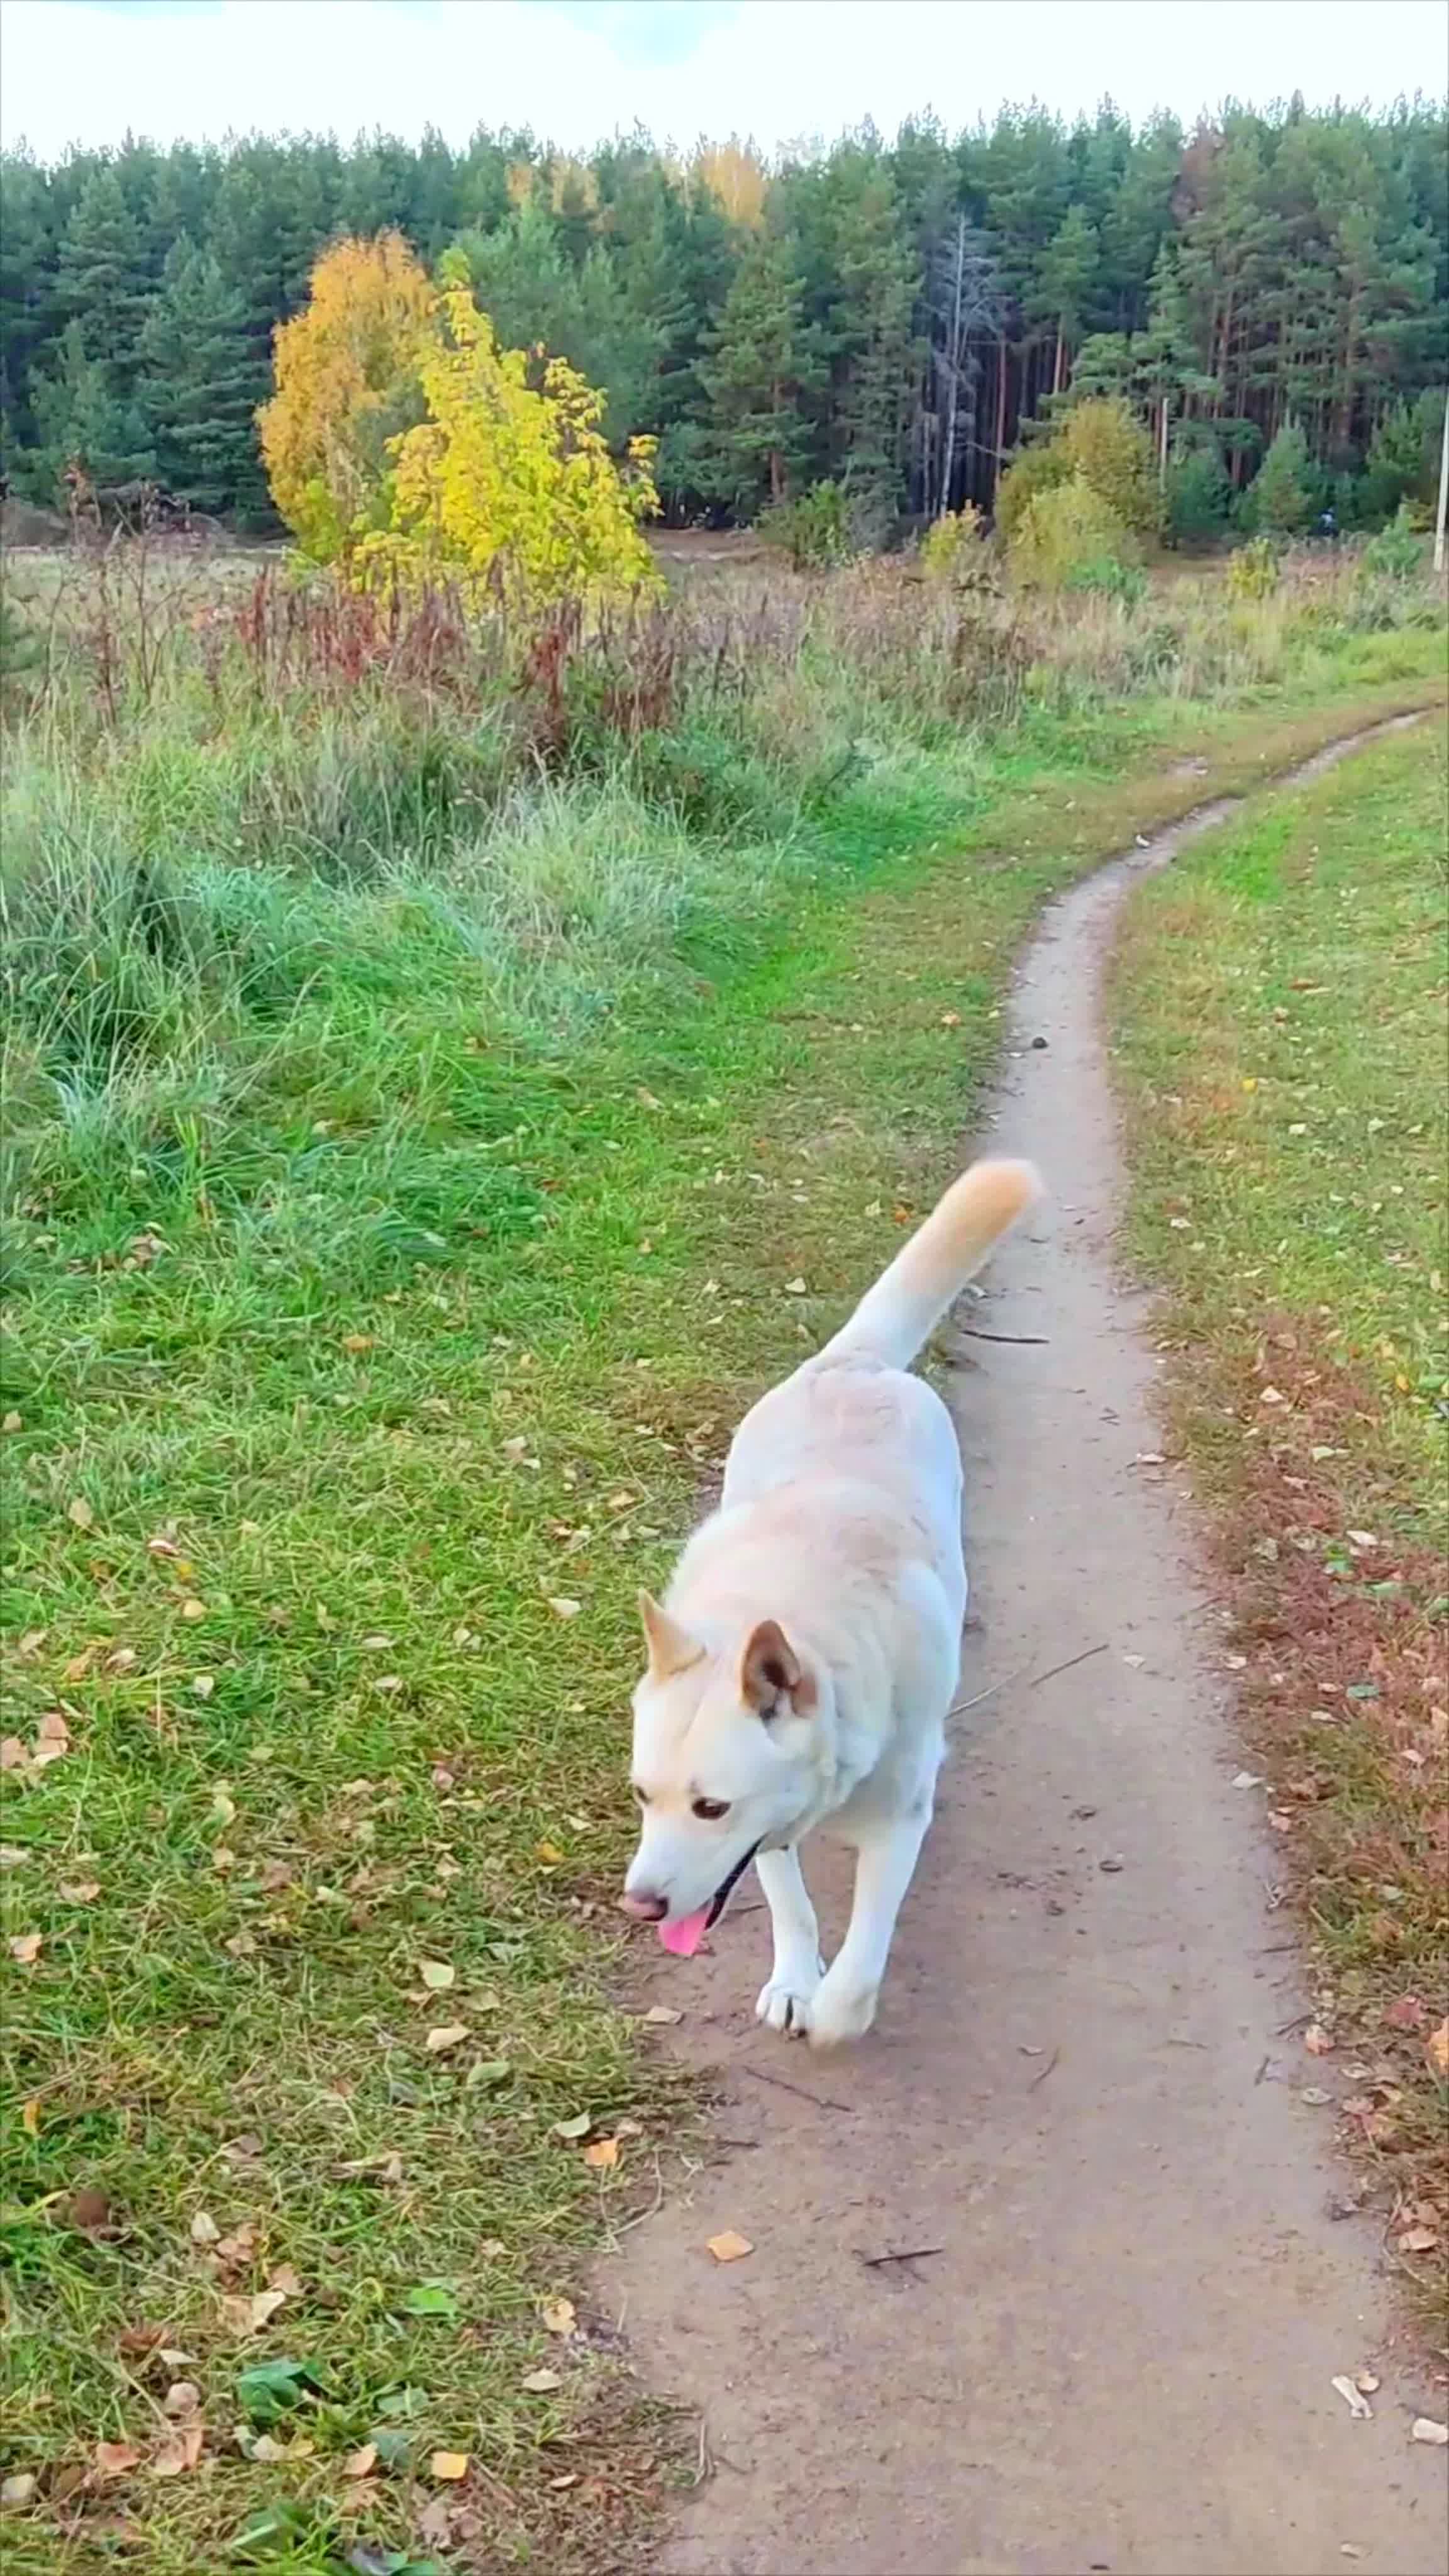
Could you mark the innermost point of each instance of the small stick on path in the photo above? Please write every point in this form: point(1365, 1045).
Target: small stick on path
point(1043, 2072)
point(822, 2101)
point(912, 2254)
point(1035, 1683)
point(974, 1333)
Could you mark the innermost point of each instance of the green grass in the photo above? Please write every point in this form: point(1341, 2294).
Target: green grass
point(374, 1301)
point(1280, 1003)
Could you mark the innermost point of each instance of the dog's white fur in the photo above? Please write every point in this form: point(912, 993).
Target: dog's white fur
point(807, 1653)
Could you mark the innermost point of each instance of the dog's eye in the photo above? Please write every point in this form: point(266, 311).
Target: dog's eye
point(710, 1810)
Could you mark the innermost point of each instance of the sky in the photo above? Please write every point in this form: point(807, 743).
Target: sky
point(86, 71)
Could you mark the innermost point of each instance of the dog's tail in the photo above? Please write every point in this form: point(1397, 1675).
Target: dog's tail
point(898, 1315)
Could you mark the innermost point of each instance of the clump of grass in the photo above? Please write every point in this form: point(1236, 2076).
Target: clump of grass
point(1279, 1001)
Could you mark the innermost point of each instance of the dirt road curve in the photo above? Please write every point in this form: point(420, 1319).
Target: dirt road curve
point(1118, 2352)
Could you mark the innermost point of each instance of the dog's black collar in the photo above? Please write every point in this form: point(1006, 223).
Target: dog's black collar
point(723, 1894)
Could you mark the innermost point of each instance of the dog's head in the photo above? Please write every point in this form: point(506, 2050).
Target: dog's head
point(729, 1748)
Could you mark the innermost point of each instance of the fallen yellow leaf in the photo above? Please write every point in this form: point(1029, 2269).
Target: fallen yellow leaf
point(80, 1514)
point(81, 1891)
point(437, 1976)
point(603, 2155)
point(1436, 2049)
point(539, 2382)
point(563, 1608)
point(448, 2465)
point(360, 2464)
point(558, 2315)
point(730, 2247)
point(447, 2036)
point(25, 1948)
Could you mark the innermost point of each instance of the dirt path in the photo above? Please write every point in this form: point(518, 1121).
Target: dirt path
point(1083, 2094)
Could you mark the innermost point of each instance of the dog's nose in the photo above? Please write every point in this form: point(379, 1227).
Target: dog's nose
point(646, 1909)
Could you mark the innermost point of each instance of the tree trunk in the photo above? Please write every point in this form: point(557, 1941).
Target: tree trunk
point(1162, 444)
point(948, 460)
point(1059, 362)
point(1344, 419)
point(1000, 413)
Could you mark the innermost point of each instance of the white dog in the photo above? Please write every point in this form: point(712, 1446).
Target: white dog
point(806, 1656)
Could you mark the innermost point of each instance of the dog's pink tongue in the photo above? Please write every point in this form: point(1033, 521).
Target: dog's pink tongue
point(684, 1936)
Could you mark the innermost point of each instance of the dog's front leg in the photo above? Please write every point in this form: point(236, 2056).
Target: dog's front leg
point(886, 1856)
point(785, 2002)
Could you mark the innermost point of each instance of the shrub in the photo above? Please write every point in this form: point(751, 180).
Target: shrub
point(346, 384)
point(1111, 451)
point(812, 530)
point(1070, 538)
point(511, 483)
point(1036, 469)
point(951, 550)
point(1403, 460)
point(1253, 570)
point(1396, 550)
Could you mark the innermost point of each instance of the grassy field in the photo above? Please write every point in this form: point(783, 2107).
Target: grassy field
point(424, 1103)
point(1281, 1011)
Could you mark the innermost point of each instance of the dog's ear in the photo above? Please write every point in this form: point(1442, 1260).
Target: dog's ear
point(671, 1648)
point(770, 1671)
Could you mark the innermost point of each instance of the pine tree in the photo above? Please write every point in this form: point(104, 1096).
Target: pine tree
point(81, 418)
point(536, 298)
point(27, 287)
point(762, 364)
point(1281, 498)
point(1198, 491)
point(1067, 276)
point(1165, 370)
point(200, 387)
point(870, 328)
point(102, 278)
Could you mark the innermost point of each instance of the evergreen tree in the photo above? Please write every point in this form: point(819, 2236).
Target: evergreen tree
point(83, 419)
point(200, 387)
point(762, 362)
point(102, 278)
point(1165, 370)
point(874, 292)
point(1067, 276)
point(1281, 498)
point(535, 297)
point(1198, 492)
point(27, 287)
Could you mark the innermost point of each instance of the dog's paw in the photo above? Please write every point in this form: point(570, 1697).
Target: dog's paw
point(786, 2003)
point(841, 2012)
